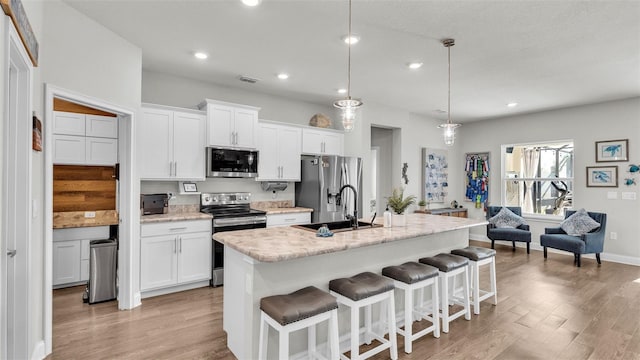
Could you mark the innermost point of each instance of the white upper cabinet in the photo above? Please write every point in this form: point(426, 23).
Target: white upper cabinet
point(322, 142)
point(280, 148)
point(171, 144)
point(230, 125)
point(84, 139)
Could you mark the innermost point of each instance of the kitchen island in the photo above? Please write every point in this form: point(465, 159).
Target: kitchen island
point(263, 262)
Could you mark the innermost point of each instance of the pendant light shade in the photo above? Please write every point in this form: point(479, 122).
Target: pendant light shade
point(348, 106)
point(448, 128)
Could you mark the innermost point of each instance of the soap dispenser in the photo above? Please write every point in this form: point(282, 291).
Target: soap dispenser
point(387, 217)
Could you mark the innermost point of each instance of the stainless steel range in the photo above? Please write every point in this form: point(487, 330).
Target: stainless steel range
point(230, 211)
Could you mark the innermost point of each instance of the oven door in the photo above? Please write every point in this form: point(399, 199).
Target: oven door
point(218, 249)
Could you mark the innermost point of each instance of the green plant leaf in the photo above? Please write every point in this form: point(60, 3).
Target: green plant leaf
point(398, 202)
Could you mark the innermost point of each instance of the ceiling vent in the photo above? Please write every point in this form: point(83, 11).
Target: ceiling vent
point(247, 79)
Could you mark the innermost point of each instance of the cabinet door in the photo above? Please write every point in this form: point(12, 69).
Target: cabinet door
point(158, 262)
point(289, 149)
point(188, 146)
point(101, 151)
point(268, 164)
point(194, 261)
point(68, 123)
point(66, 262)
point(312, 141)
point(220, 125)
point(101, 126)
point(246, 122)
point(68, 149)
point(155, 144)
point(333, 143)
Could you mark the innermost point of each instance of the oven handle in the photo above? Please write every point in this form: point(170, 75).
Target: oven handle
point(239, 221)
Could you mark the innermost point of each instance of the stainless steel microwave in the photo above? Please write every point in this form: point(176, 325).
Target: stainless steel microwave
point(231, 163)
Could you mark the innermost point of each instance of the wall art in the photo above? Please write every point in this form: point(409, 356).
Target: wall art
point(602, 176)
point(612, 150)
point(435, 172)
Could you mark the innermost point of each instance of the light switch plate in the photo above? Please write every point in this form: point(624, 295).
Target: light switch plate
point(628, 196)
point(612, 195)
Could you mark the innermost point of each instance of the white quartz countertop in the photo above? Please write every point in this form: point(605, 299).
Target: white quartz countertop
point(286, 243)
point(174, 217)
point(287, 210)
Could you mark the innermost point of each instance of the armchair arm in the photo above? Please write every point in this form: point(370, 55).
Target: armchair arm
point(556, 230)
point(594, 241)
point(523, 227)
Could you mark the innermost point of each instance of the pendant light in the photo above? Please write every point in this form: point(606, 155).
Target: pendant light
point(348, 106)
point(449, 129)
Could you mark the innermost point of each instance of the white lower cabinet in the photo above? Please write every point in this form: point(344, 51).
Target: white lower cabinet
point(66, 262)
point(174, 254)
point(287, 219)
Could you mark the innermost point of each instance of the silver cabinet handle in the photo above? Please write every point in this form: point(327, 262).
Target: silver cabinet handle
point(236, 138)
point(170, 168)
point(178, 228)
point(175, 168)
point(231, 135)
point(180, 243)
point(11, 253)
point(175, 244)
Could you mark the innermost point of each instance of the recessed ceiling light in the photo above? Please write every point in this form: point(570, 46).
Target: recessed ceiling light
point(342, 91)
point(512, 104)
point(283, 76)
point(414, 65)
point(351, 40)
point(200, 55)
point(251, 2)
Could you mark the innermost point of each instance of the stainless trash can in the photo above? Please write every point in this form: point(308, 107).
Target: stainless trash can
point(102, 271)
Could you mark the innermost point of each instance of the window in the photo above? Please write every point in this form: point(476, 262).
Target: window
point(538, 177)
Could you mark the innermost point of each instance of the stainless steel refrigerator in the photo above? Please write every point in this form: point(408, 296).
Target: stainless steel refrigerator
point(321, 179)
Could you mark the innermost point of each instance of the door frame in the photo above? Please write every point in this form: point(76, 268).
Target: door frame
point(128, 207)
point(16, 56)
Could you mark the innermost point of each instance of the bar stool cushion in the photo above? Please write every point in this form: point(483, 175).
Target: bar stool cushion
point(301, 304)
point(361, 286)
point(475, 253)
point(445, 262)
point(410, 272)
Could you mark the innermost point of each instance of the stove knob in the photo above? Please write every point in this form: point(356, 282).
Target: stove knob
point(207, 198)
point(215, 198)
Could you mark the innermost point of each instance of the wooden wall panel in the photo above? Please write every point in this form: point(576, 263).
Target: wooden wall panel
point(67, 106)
point(83, 188)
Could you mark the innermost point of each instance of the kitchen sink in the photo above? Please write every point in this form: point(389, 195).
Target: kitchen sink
point(338, 226)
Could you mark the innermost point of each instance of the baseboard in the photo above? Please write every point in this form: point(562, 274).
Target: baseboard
point(137, 299)
point(621, 259)
point(39, 352)
point(172, 289)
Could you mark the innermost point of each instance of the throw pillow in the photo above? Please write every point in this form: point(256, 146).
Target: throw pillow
point(506, 218)
point(579, 223)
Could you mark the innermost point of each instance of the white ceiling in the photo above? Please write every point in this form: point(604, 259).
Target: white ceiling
point(541, 54)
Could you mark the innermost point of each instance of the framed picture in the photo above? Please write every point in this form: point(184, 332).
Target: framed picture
point(36, 138)
point(189, 187)
point(435, 173)
point(612, 150)
point(602, 176)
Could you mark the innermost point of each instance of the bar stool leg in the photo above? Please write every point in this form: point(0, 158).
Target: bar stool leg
point(355, 330)
point(284, 344)
point(444, 304)
point(434, 309)
point(333, 335)
point(494, 287)
point(264, 338)
point(311, 340)
point(467, 304)
point(408, 320)
point(475, 271)
point(367, 324)
point(392, 328)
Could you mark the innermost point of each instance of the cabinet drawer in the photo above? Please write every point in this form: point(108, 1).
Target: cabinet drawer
point(102, 126)
point(88, 233)
point(288, 219)
point(175, 227)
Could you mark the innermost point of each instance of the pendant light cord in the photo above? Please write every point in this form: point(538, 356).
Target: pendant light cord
point(349, 57)
point(449, 92)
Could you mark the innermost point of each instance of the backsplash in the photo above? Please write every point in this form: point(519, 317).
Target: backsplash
point(217, 185)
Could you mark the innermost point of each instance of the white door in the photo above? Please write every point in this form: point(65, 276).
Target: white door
point(16, 204)
point(194, 260)
point(101, 151)
point(66, 123)
point(289, 147)
point(333, 143)
point(158, 261)
point(188, 146)
point(268, 165)
point(66, 262)
point(220, 125)
point(312, 142)
point(155, 144)
point(69, 149)
point(246, 122)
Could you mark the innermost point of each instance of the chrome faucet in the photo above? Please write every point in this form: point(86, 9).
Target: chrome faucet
point(354, 218)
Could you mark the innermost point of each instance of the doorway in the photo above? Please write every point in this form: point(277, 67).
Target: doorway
point(127, 207)
point(16, 202)
point(382, 143)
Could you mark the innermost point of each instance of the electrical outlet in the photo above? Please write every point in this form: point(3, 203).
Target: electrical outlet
point(613, 235)
point(628, 196)
point(89, 214)
point(612, 195)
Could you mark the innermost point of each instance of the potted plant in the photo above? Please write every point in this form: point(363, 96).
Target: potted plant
point(422, 204)
point(398, 203)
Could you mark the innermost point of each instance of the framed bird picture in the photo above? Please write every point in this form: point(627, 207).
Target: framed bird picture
point(612, 150)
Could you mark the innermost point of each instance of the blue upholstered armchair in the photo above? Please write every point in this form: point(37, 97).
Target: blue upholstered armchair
point(520, 234)
point(589, 243)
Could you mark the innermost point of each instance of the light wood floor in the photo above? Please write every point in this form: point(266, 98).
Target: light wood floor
point(547, 310)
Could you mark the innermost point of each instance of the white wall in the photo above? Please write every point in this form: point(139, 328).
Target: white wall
point(585, 125)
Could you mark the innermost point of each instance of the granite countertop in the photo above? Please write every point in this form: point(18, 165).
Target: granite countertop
point(286, 210)
point(286, 243)
point(179, 216)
